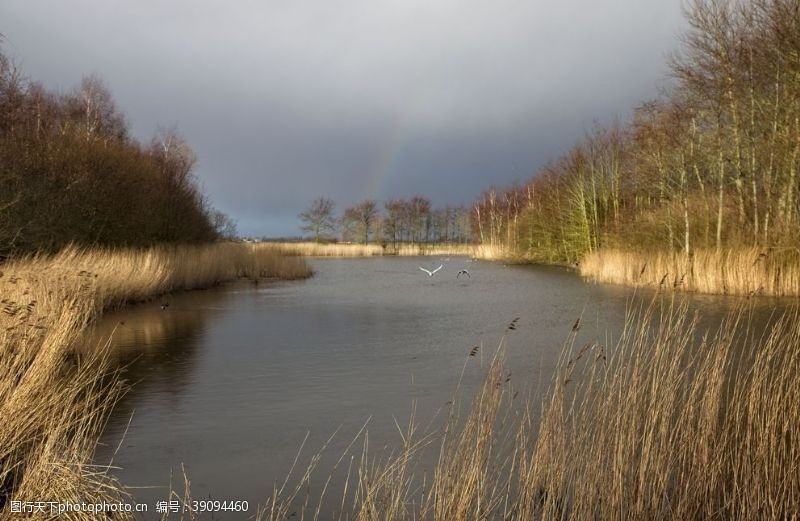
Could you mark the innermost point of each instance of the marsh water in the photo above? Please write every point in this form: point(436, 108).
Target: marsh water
point(228, 382)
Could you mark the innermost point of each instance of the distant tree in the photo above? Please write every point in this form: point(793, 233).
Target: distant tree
point(393, 221)
point(419, 214)
point(348, 226)
point(224, 225)
point(364, 215)
point(319, 218)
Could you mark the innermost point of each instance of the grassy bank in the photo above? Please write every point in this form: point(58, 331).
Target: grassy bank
point(743, 271)
point(315, 249)
point(659, 425)
point(53, 401)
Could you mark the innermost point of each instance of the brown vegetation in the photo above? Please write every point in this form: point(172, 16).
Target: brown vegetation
point(71, 174)
point(744, 271)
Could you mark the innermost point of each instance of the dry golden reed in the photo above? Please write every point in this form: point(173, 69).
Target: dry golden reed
point(314, 249)
point(742, 271)
point(670, 424)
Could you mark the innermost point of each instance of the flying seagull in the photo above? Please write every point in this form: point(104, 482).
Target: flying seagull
point(430, 273)
point(463, 272)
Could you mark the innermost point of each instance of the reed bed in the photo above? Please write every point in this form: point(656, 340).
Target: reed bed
point(670, 422)
point(314, 249)
point(55, 397)
point(743, 271)
point(492, 252)
point(53, 401)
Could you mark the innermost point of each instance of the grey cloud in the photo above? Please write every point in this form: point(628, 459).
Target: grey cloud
point(287, 100)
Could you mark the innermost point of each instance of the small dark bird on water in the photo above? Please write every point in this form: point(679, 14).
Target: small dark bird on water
point(577, 325)
point(165, 305)
point(463, 272)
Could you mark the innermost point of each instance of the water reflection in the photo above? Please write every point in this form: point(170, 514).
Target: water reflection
point(156, 350)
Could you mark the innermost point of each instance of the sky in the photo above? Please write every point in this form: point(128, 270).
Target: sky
point(284, 101)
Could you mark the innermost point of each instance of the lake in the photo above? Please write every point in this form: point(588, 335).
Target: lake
point(228, 382)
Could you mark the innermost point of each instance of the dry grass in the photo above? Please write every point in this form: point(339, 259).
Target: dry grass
point(729, 272)
point(313, 249)
point(665, 424)
point(54, 399)
point(666, 427)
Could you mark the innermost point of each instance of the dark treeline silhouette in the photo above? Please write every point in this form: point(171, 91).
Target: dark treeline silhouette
point(413, 220)
point(712, 164)
point(71, 173)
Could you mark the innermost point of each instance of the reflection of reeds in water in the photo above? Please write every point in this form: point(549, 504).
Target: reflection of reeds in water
point(657, 427)
point(743, 271)
point(54, 400)
point(314, 249)
point(150, 327)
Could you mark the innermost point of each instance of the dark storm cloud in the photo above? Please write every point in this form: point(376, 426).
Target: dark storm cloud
point(284, 101)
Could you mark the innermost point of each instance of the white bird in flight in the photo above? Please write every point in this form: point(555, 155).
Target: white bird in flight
point(430, 273)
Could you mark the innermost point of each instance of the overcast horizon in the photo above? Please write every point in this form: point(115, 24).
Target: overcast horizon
point(283, 102)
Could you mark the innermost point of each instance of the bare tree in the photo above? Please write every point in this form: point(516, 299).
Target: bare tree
point(393, 222)
point(319, 218)
point(224, 225)
point(364, 215)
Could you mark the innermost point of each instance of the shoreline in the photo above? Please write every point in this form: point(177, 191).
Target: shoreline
point(323, 250)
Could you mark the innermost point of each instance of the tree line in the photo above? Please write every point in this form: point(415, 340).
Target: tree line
point(70, 172)
point(711, 164)
point(412, 220)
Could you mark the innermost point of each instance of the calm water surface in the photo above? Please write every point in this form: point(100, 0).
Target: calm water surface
point(228, 382)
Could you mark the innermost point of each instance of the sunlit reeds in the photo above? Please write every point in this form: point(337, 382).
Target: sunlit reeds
point(53, 401)
point(314, 249)
point(670, 425)
point(743, 271)
point(491, 252)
